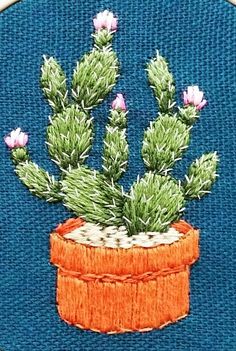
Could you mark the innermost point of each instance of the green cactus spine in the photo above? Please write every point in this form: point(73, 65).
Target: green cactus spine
point(154, 201)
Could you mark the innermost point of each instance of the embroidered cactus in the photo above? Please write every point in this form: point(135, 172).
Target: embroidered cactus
point(154, 201)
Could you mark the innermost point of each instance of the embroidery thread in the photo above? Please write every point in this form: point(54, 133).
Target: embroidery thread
point(123, 263)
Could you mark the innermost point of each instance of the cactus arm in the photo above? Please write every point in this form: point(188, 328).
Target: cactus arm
point(188, 115)
point(90, 196)
point(201, 176)
point(94, 77)
point(96, 73)
point(164, 143)
point(39, 182)
point(102, 39)
point(115, 150)
point(53, 82)
point(69, 137)
point(36, 179)
point(153, 203)
point(70, 133)
point(167, 137)
point(162, 83)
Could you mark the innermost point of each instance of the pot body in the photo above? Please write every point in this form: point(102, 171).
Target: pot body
point(119, 290)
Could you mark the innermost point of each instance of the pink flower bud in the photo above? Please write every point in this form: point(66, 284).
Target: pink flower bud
point(193, 96)
point(119, 103)
point(16, 139)
point(105, 20)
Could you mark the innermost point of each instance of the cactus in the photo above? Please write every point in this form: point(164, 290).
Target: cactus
point(155, 200)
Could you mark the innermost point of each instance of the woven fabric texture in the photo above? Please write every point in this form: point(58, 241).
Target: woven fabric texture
point(198, 39)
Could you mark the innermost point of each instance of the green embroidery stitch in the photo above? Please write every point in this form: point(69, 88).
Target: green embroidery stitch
point(154, 201)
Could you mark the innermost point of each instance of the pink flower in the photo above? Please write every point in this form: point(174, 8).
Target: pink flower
point(119, 103)
point(194, 96)
point(16, 139)
point(105, 20)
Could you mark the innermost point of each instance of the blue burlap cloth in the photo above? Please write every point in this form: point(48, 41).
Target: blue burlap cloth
point(198, 38)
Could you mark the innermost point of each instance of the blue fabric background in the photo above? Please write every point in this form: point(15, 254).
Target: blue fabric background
point(198, 38)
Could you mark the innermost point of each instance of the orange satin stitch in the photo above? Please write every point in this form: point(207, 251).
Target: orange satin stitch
point(118, 290)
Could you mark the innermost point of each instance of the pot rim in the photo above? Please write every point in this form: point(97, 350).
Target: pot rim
point(74, 257)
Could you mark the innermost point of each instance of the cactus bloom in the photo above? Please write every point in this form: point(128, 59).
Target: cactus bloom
point(194, 96)
point(16, 139)
point(105, 20)
point(119, 103)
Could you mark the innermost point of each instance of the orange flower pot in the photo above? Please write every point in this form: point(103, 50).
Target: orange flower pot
point(119, 290)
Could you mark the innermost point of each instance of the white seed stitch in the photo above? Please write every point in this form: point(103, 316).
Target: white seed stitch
point(117, 237)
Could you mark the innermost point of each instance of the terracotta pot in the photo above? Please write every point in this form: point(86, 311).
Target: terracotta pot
point(119, 290)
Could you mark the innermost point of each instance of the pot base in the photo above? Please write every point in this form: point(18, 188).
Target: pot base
point(118, 307)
